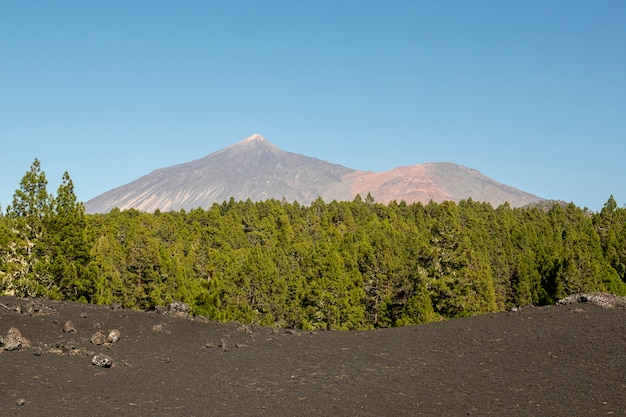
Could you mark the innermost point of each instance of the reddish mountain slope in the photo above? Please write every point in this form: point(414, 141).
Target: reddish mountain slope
point(437, 181)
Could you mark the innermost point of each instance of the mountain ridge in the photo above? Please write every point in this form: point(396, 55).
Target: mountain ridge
point(256, 169)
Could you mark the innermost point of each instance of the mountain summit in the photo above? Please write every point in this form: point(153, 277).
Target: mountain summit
point(255, 144)
point(256, 169)
point(255, 138)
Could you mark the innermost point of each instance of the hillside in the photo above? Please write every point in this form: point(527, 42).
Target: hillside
point(565, 360)
point(256, 169)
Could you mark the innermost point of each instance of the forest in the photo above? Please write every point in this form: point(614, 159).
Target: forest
point(328, 265)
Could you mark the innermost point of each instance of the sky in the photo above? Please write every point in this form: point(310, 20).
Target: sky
point(531, 94)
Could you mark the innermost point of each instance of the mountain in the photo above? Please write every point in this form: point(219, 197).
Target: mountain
point(256, 169)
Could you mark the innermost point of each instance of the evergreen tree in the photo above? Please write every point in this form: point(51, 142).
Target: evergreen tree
point(610, 225)
point(7, 255)
point(67, 244)
point(337, 265)
point(27, 256)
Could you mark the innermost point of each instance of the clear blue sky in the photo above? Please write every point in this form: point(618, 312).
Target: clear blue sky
point(532, 93)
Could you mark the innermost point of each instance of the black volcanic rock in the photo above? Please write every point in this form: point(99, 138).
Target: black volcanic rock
point(565, 360)
point(257, 170)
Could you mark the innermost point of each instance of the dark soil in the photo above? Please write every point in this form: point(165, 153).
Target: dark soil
point(567, 360)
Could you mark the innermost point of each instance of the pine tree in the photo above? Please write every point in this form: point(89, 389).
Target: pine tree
point(610, 225)
point(67, 243)
point(26, 256)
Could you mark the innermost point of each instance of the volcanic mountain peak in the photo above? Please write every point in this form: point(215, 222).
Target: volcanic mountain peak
point(256, 169)
point(256, 137)
point(254, 146)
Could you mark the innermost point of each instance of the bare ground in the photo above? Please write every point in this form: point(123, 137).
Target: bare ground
point(565, 360)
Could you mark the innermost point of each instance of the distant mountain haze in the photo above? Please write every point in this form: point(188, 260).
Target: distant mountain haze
point(256, 169)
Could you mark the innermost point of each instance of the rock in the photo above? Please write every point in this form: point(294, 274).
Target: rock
point(10, 344)
point(248, 328)
point(179, 306)
point(176, 309)
point(114, 336)
point(31, 308)
point(74, 351)
point(20, 401)
point(597, 298)
point(161, 328)
point(36, 308)
point(201, 319)
point(67, 348)
point(98, 338)
point(69, 327)
point(14, 340)
point(102, 360)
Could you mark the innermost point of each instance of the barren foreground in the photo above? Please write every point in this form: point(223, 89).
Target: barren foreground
point(567, 360)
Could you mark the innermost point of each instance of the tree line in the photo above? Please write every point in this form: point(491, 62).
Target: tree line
point(328, 265)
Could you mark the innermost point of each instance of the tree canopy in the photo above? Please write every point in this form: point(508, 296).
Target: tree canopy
point(329, 265)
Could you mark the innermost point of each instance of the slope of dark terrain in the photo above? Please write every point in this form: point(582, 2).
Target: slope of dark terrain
point(565, 360)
